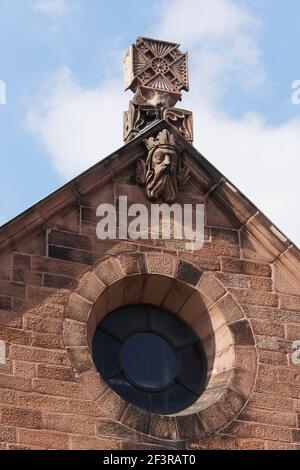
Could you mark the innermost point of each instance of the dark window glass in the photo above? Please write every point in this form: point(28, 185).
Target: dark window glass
point(174, 399)
point(149, 361)
point(150, 358)
point(105, 353)
point(177, 332)
point(121, 322)
point(130, 393)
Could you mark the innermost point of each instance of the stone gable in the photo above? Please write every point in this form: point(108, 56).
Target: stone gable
point(240, 293)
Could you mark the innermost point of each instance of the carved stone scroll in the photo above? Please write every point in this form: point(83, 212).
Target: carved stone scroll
point(139, 117)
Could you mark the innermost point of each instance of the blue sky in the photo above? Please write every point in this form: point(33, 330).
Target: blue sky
point(61, 61)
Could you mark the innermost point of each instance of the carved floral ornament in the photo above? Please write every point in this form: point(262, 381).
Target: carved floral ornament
point(156, 71)
point(163, 174)
point(139, 117)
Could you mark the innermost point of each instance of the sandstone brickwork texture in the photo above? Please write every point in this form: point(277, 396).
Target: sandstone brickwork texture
point(241, 292)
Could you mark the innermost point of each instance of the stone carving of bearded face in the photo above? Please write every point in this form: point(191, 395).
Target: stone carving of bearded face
point(164, 173)
point(161, 173)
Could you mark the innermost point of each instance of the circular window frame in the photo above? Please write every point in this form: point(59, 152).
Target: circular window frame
point(129, 279)
point(178, 348)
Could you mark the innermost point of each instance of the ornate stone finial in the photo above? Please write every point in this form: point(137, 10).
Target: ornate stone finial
point(156, 71)
point(163, 174)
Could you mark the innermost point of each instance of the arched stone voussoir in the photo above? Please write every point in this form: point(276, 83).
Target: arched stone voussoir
point(188, 273)
point(133, 263)
point(163, 427)
point(231, 309)
point(232, 403)
point(93, 384)
point(214, 417)
point(81, 359)
point(211, 287)
point(90, 287)
point(74, 333)
point(112, 404)
point(78, 308)
point(161, 263)
point(242, 333)
point(242, 382)
point(137, 419)
point(109, 271)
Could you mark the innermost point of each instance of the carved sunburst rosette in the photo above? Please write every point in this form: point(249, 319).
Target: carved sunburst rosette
point(156, 71)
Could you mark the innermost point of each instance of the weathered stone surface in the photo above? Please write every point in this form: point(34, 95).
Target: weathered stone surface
point(161, 264)
point(260, 431)
point(251, 297)
point(269, 417)
point(178, 294)
point(136, 419)
point(78, 308)
point(290, 302)
point(232, 265)
point(188, 273)
point(213, 419)
point(245, 358)
point(230, 308)
point(271, 402)
point(21, 417)
point(134, 263)
point(242, 334)
point(44, 439)
point(90, 287)
point(190, 427)
point(84, 442)
point(109, 271)
point(75, 333)
point(81, 358)
point(73, 424)
point(211, 287)
point(163, 428)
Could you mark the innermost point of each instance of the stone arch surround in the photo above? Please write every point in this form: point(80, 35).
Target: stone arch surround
point(201, 300)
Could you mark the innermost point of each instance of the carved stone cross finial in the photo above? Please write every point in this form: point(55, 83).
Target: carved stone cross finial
point(156, 71)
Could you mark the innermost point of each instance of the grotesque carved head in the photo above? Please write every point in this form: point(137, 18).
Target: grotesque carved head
point(162, 173)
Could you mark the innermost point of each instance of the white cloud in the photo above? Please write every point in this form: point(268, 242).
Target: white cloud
point(261, 160)
point(80, 126)
point(221, 38)
point(55, 8)
point(192, 20)
point(77, 126)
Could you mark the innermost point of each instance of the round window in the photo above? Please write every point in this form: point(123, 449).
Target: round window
point(151, 358)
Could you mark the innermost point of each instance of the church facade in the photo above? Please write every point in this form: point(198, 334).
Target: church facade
point(127, 343)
